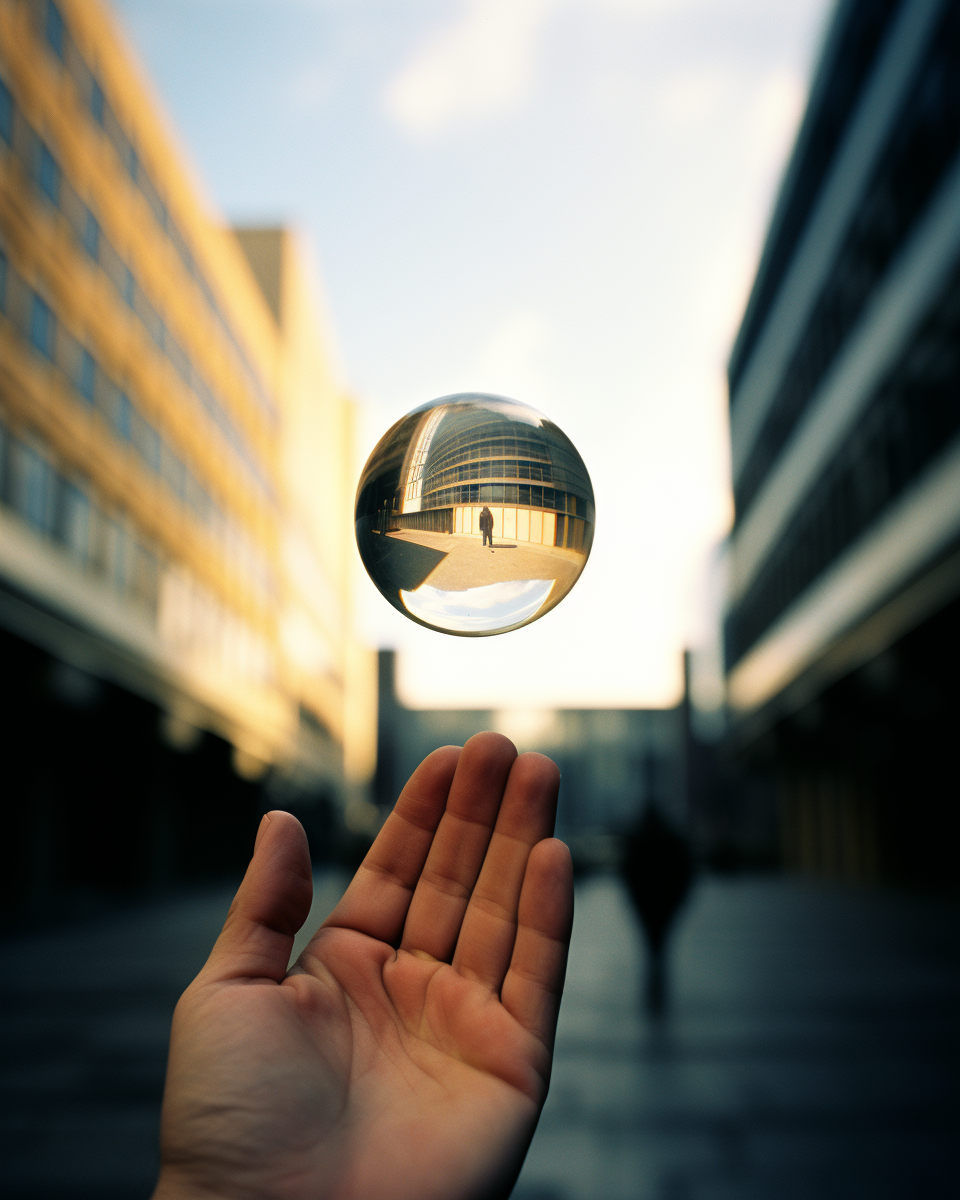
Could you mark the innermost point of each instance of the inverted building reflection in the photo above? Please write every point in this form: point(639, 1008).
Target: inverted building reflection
point(475, 515)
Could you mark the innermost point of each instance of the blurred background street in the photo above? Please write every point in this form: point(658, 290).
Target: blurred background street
point(810, 1050)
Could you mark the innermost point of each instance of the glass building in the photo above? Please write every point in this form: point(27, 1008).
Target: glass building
point(842, 618)
point(449, 462)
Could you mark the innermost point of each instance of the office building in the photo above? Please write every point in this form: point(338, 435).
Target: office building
point(841, 629)
point(175, 456)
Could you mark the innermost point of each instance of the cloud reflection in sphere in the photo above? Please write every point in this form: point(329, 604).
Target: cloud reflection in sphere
point(474, 515)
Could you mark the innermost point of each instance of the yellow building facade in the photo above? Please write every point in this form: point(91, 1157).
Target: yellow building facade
point(175, 449)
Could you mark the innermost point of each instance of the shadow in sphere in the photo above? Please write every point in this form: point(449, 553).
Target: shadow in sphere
point(657, 868)
point(397, 565)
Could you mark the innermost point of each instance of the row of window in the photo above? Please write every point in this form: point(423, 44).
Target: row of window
point(104, 545)
point(487, 438)
point(61, 510)
point(467, 447)
point(914, 416)
point(43, 169)
point(50, 24)
point(508, 493)
point(823, 127)
point(921, 147)
point(491, 468)
point(33, 318)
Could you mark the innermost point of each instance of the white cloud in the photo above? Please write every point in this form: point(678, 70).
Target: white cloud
point(481, 66)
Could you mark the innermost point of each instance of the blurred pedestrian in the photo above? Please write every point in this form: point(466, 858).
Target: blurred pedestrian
point(657, 868)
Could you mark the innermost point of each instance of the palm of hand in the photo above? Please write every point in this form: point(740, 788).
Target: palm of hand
point(373, 1071)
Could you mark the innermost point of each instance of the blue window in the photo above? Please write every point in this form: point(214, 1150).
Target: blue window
point(87, 377)
point(42, 327)
point(48, 175)
point(125, 416)
point(91, 236)
point(32, 487)
point(6, 113)
point(129, 286)
point(56, 31)
point(75, 521)
point(97, 103)
point(133, 164)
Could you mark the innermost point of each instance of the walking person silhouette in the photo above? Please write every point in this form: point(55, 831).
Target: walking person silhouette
point(657, 868)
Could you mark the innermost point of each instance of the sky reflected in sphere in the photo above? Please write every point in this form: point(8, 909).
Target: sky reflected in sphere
point(474, 515)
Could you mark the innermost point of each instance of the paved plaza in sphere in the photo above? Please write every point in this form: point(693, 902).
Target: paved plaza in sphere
point(467, 563)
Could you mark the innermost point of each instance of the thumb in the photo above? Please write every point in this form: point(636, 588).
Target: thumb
point(272, 903)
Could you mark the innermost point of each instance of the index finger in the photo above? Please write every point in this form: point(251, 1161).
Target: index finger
point(378, 897)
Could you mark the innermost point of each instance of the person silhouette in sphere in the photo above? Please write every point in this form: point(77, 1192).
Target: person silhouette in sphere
point(406, 1054)
point(486, 525)
point(658, 870)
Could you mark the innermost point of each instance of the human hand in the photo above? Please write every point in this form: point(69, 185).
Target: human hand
point(407, 1054)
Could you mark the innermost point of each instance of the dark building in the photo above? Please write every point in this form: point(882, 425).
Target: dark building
point(842, 617)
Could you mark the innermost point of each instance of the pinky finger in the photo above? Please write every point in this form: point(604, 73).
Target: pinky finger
point(534, 982)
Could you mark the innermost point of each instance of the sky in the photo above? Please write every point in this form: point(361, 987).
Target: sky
point(562, 201)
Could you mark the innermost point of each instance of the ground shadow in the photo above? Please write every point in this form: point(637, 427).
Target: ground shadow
point(396, 565)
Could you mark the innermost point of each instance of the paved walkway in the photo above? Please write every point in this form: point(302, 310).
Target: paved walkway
point(467, 563)
point(812, 1050)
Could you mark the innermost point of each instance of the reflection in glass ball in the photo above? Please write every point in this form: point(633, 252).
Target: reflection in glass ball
point(474, 515)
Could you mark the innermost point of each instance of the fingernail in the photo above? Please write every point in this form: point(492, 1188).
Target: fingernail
point(264, 822)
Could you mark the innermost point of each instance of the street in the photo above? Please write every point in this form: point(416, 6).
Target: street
point(810, 1051)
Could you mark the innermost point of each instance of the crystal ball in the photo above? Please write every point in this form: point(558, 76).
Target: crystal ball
point(474, 515)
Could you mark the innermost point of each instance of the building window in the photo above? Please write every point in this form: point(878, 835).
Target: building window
point(146, 577)
point(6, 114)
point(56, 30)
point(32, 486)
point(75, 521)
point(118, 554)
point(42, 327)
point(48, 175)
point(3, 282)
point(129, 286)
point(124, 416)
point(87, 377)
point(91, 236)
point(133, 163)
point(97, 103)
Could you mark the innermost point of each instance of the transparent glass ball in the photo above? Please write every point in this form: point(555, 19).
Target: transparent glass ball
point(474, 515)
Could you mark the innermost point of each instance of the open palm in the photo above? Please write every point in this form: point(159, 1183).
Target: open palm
point(407, 1053)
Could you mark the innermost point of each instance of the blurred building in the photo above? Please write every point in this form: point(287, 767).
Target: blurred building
point(175, 476)
point(841, 632)
point(613, 762)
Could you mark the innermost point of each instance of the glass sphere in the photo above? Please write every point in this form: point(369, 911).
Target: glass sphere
point(474, 515)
